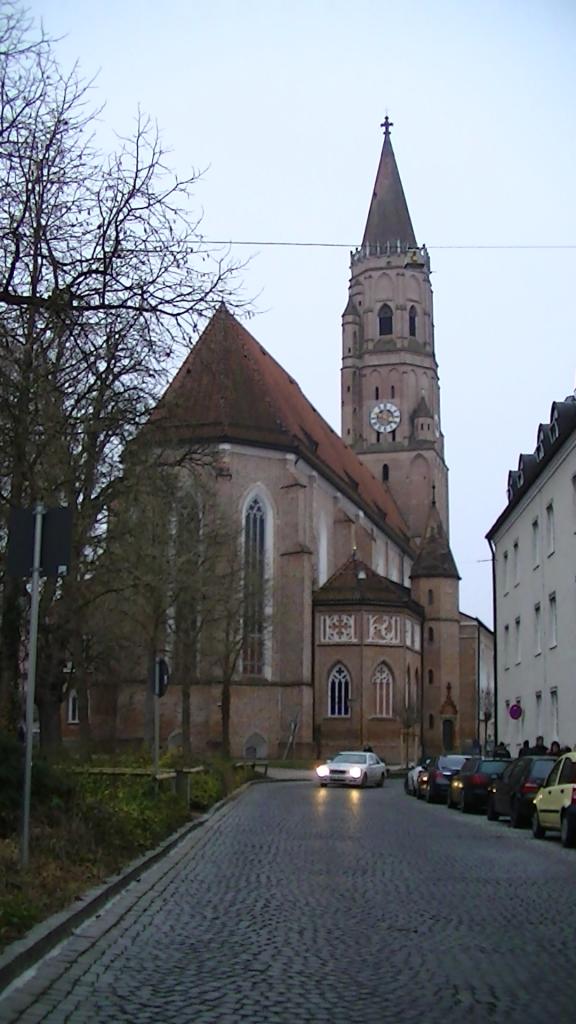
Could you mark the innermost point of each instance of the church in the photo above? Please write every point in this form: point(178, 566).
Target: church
point(365, 643)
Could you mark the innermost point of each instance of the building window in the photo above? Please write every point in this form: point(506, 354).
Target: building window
point(552, 621)
point(383, 684)
point(550, 540)
point(537, 629)
point(506, 646)
point(385, 471)
point(73, 708)
point(339, 693)
point(385, 320)
point(516, 563)
point(505, 570)
point(554, 713)
point(412, 321)
point(392, 391)
point(254, 581)
point(376, 393)
point(538, 713)
point(430, 634)
point(430, 597)
point(430, 676)
point(517, 651)
point(535, 543)
point(430, 721)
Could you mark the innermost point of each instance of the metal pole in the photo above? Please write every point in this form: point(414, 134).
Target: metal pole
point(31, 683)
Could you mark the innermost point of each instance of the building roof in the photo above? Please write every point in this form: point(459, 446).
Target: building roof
point(388, 216)
point(434, 556)
point(356, 583)
point(550, 439)
point(229, 389)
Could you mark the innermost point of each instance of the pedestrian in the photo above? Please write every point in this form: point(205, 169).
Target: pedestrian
point(539, 747)
point(524, 749)
point(367, 749)
point(501, 750)
point(555, 749)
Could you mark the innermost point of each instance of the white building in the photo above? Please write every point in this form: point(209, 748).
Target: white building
point(533, 544)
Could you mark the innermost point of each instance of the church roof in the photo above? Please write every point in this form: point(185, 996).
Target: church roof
point(388, 216)
point(229, 389)
point(434, 556)
point(356, 583)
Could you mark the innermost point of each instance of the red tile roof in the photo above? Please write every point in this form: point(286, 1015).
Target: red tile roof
point(229, 389)
point(354, 582)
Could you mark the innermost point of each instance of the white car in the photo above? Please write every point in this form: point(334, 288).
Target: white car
point(352, 768)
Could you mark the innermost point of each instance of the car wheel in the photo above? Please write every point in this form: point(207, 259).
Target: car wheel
point(429, 797)
point(491, 812)
point(515, 816)
point(464, 803)
point(323, 785)
point(537, 831)
point(381, 780)
point(406, 786)
point(364, 781)
point(568, 831)
point(449, 801)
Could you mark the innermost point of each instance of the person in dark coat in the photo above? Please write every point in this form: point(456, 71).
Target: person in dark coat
point(524, 749)
point(539, 747)
point(501, 750)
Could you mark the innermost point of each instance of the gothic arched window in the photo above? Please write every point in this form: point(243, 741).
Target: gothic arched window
point(383, 683)
point(254, 580)
point(412, 314)
point(339, 692)
point(385, 320)
point(385, 471)
point(430, 676)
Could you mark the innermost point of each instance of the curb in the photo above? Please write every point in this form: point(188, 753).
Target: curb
point(21, 955)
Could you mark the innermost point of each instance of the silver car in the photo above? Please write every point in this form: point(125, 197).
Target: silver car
point(352, 768)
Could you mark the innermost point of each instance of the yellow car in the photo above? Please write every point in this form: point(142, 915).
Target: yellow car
point(555, 803)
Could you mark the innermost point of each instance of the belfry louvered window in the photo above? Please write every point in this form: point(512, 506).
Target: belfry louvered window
point(385, 320)
point(412, 321)
point(254, 580)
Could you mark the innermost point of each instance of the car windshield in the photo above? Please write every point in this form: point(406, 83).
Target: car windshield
point(349, 758)
point(451, 761)
point(492, 767)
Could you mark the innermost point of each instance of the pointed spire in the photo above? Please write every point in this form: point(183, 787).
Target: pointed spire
point(434, 557)
point(388, 217)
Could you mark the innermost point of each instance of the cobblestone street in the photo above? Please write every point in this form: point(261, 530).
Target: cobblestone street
point(300, 904)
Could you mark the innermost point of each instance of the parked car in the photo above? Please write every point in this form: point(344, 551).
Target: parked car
point(352, 768)
point(468, 790)
point(512, 795)
point(433, 782)
point(411, 779)
point(555, 802)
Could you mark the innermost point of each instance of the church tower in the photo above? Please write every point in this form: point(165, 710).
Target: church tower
point(390, 388)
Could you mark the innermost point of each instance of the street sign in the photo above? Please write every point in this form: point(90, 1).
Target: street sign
point(161, 677)
point(515, 711)
point(55, 545)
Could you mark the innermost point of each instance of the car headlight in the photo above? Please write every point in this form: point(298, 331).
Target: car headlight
point(322, 771)
point(356, 772)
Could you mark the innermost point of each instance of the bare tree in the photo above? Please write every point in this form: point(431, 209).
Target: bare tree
point(102, 274)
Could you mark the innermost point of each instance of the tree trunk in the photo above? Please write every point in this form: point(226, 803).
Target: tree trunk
point(50, 730)
point(226, 718)
point(10, 702)
point(186, 746)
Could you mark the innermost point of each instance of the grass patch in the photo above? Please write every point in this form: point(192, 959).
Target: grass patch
point(86, 827)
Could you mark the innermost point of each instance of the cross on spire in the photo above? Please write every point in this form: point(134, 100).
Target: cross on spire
point(387, 124)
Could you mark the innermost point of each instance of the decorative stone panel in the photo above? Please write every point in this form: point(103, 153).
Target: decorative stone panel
point(338, 629)
point(383, 629)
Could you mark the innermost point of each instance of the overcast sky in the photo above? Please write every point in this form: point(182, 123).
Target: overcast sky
point(281, 103)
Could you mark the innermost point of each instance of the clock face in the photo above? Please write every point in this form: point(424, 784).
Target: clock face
point(385, 417)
